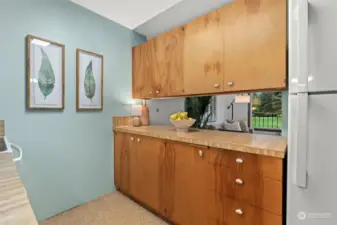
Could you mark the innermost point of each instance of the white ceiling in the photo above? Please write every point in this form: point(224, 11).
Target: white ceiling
point(178, 15)
point(129, 13)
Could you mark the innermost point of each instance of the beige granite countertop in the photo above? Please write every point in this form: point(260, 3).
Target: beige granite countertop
point(267, 145)
point(15, 208)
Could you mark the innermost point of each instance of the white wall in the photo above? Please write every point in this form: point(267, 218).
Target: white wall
point(161, 109)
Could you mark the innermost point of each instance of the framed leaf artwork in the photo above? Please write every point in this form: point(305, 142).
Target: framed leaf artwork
point(45, 73)
point(89, 82)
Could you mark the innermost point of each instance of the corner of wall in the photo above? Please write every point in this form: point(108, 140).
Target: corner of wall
point(137, 38)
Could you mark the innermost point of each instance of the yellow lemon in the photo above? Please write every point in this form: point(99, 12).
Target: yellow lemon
point(183, 115)
point(174, 116)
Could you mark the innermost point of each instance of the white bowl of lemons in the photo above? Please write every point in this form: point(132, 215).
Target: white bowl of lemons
point(181, 121)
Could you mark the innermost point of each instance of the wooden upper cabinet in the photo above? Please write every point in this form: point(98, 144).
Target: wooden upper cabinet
point(203, 51)
point(254, 45)
point(143, 69)
point(238, 48)
point(168, 76)
point(158, 66)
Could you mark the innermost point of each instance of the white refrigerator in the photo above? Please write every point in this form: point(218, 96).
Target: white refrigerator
point(312, 134)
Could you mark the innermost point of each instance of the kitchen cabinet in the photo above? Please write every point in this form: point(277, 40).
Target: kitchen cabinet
point(192, 200)
point(254, 45)
point(240, 47)
point(122, 161)
point(138, 166)
point(168, 75)
point(146, 158)
point(196, 185)
point(143, 69)
point(158, 66)
point(203, 53)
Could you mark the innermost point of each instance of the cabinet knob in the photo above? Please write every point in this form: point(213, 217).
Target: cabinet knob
point(230, 83)
point(150, 92)
point(157, 91)
point(216, 85)
point(239, 160)
point(239, 211)
point(201, 153)
point(239, 181)
point(131, 138)
point(138, 140)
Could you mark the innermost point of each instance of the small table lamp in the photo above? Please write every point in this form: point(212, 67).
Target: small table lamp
point(136, 113)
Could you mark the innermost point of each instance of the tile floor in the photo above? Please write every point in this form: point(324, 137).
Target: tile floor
point(113, 209)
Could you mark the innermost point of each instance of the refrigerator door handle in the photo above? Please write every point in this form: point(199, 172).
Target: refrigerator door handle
point(302, 18)
point(302, 142)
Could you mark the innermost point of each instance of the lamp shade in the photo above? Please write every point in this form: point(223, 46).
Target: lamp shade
point(136, 110)
point(242, 99)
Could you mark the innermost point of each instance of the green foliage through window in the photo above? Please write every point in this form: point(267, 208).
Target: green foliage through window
point(267, 110)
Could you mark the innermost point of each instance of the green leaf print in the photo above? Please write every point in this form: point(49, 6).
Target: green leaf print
point(89, 82)
point(46, 78)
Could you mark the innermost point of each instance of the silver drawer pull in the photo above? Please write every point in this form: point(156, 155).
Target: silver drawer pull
point(239, 181)
point(230, 83)
point(132, 138)
point(138, 140)
point(239, 212)
point(201, 153)
point(239, 160)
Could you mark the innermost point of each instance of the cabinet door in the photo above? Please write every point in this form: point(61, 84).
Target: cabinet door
point(191, 201)
point(254, 45)
point(122, 161)
point(143, 68)
point(203, 50)
point(168, 76)
point(118, 143)
point(147, 155)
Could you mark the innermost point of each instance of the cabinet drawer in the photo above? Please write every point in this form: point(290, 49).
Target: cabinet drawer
point(257, 191)
point(248, 163)
point(239, 213)
point(233, 212)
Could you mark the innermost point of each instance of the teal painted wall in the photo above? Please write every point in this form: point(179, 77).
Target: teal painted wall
point(68, 156)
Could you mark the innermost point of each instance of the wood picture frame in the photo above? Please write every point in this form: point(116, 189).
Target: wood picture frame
point(45, 74)
point(89, 80)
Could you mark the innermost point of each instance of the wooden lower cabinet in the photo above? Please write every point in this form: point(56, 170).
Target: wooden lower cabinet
point(122, 161)
point(189, 184)
point(146, 157)
point(195, 185)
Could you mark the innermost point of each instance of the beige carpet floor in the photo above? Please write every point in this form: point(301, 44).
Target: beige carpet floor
point(113, 209)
